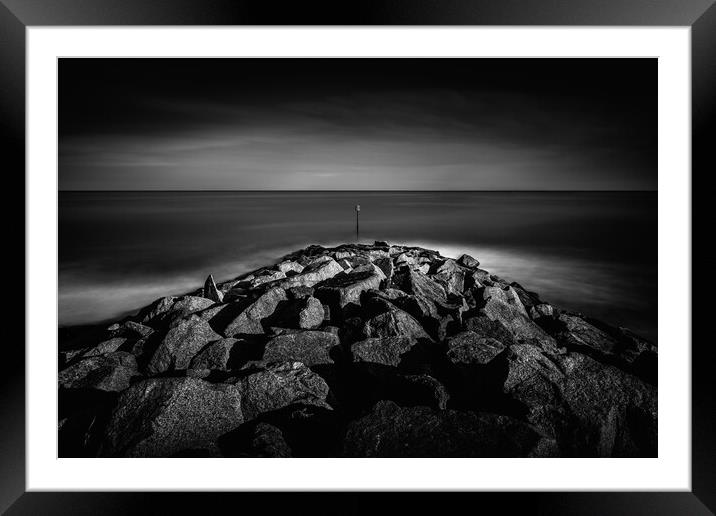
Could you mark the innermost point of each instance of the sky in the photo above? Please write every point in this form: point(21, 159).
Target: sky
point(357, 124)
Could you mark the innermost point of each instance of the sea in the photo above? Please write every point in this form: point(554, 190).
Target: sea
point(591, 252)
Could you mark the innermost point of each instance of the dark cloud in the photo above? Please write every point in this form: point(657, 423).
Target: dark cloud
point(132, 124)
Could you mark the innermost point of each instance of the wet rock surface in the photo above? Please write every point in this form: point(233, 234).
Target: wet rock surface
point(358, 351)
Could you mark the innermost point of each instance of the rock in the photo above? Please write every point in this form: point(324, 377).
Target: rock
point(309, 347)
point(451, 276)
point(527, 298)
point(468, 261)
point(211, 292)
point(592, 409)
point(265, 277)
point(542, 310)
point(162, 417)
point(215, 356)
point(487, 328)
point(426, 389)
point(391, 431)
point(385, 264)
point(107, 346)
point(181, 343)
point(289, 266)
point(130, 330)
point(300, 292)
point(346, 288)
point(380, 243)
point(249, 321)
point(166, 309)
point(386, 351)
point(470, 348)
point(395, 323)
point(306, 313)
point(281, 385)
point(505, 306)
point(313, 273)
point(111, 372)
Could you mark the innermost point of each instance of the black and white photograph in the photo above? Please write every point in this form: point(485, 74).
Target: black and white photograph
point(357, 257)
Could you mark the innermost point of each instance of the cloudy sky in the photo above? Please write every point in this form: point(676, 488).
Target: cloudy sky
point(357, 124)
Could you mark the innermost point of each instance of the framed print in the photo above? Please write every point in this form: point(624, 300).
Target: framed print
point(439, 250)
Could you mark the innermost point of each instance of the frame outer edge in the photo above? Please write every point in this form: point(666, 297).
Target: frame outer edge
point(12, 143)
point(703, 120)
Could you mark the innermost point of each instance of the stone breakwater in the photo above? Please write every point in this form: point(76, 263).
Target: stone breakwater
point(357, 351)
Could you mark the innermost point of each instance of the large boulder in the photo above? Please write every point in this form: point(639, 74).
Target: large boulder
point(111, 372)
point(591, 408)
point(163, 417)
point(452, 276)
point(170, 308)
point(107, 346)
point(281, 385)
point(468, 261)
point(313, 273)
point(505, 306)
point(394, 323)
point(305, 313)
point(217, 356)
point(181, 343)
point(347, 288)
point(393, 431)
point(309, 347)
point(249, 321)
point(468, 347)
point(387, 351)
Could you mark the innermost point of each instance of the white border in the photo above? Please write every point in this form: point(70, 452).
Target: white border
point(671, 471)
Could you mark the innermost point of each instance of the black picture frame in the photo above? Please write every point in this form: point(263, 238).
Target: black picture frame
point(17, 15)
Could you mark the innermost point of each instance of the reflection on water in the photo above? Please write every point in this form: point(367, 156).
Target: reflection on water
point(592, 252)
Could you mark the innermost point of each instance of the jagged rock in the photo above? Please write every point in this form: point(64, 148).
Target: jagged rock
point(504, 305)
point(110, 372)
point(487, 328)
point(170, 308)
point(542, 310)
point(528, 299)
point(591, 408)
point(130, 330)
point(468, 261)
point(215, 356)
point(387, 351)
point(289, 266)
point(211, 292)
point(391, 431)
point(346, 288)
point(395, 323)
point(470, 348)
point(300, 292)
point(107, 346)
point(181, 343)
point(451, 276)
point(162, 417)
point(249, 321)
point(306, 313)
point(309, 347)
point(267, 276)
point(281, 385)
point(313, 273)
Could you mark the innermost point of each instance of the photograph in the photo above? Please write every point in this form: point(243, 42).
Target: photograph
point(277, 257)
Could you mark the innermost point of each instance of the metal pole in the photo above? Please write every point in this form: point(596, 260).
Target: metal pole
point(357, 224)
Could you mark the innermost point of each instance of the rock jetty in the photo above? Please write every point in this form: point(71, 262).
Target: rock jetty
point(357, 351)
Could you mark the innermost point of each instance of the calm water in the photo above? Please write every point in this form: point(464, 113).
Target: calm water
point(591, 252)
